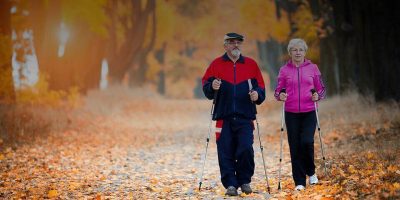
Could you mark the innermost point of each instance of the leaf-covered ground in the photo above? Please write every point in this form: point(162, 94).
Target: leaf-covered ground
point(130, 147)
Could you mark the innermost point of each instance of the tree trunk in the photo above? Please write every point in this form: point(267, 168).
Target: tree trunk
point(271, 53)
point(7, 93)
point(126, 58)
point(45, 19)
point(139, 74)
point(368, 40)
point(160, 56)
point(329, 67)
point(290, 7)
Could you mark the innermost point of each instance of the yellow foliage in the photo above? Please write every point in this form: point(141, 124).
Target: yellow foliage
point(307, 30)
point(41, 94)
point(154, 67)
point(260, 21)
point(87, 11)
point(166, 23)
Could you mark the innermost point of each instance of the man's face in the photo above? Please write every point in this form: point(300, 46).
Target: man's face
point(232, 47)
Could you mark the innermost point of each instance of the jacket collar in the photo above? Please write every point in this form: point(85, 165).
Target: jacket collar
point(306, 62)
point(225, 57)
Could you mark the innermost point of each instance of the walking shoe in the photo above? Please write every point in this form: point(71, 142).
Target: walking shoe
point(299, 188)
point(246, 188)
point(313, 179)
point(231, 191)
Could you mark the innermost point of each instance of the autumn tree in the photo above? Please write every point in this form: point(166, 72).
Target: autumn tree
point(45, 19)
point(179, 53)
point(86, 45)
point(324, 27)
point(367, 36)
point(270, 31)
point(130, 21)
point(357, 42)
point(78, 64)
point(312, 21)
point(7, 93)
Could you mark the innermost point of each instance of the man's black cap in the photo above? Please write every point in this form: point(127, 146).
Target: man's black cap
point(233, 36)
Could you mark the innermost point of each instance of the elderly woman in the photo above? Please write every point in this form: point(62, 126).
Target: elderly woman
point(296, 79)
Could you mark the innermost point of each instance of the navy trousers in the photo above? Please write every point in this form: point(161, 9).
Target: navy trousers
point(235, 151)
point(300, 130)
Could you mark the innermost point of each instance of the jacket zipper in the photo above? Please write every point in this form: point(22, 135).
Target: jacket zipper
point(234, 87)
point(298, 80)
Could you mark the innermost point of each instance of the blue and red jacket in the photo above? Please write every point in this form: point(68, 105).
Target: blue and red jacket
point(233, 97)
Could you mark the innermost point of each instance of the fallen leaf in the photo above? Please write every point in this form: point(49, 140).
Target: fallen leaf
point(327, 198)
point(370, 155)
point(392, 168)
point(352, 169)
point(52, 193)
point(166, 189)
point(288, 197)
point(396, 186)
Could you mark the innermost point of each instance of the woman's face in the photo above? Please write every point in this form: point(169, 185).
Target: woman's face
point(297, 53)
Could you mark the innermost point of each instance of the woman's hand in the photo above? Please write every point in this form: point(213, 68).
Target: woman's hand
point(315, 96)
point(283, 96)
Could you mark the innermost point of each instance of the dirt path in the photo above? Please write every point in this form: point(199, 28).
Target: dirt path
point(146, 150)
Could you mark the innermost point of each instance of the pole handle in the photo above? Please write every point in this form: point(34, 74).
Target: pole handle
point(216, 93)
point(313, 91)
point(215, 96)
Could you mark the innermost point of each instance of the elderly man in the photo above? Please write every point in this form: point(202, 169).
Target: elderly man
point(237, 82)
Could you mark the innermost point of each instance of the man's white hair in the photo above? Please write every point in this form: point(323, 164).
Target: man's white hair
point(297, 41)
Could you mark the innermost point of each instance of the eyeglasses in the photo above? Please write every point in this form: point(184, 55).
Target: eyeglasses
point(238, 43)
point(297, 50)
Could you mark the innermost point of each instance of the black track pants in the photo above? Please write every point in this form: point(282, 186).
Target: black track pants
point(301, 129)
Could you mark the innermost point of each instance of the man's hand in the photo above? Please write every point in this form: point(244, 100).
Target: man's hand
point(283, 96)
point(216, 84)
point(253, 95)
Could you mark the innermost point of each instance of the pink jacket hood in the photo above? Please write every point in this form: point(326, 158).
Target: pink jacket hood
point(298, 82)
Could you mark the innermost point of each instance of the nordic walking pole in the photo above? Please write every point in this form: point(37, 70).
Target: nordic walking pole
point(319, 132)
point(281, 149)
point(208, 138)
point(261, 147)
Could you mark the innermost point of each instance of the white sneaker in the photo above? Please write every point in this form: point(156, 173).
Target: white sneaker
point(313, 179)
point(299, 188)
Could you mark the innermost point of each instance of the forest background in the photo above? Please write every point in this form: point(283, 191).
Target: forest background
point(71, 64)
point(166, 45)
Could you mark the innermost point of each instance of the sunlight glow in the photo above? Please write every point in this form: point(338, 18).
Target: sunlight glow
point(104, 74)
point(64, 35)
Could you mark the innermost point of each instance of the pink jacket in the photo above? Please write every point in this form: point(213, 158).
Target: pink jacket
point(298, 82)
